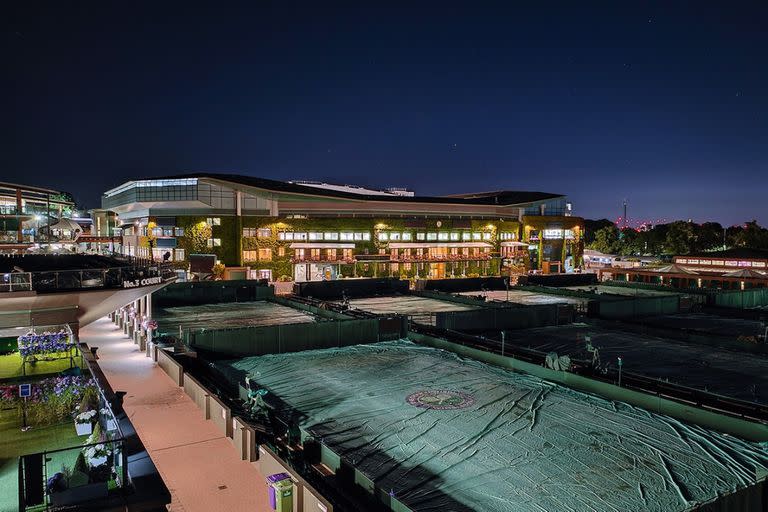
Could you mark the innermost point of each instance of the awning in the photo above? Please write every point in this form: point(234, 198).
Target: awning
point(309, 245)
point(675, 269)
point(67, 225)
point(432, 245)
point(745, 273)
point(514, 244)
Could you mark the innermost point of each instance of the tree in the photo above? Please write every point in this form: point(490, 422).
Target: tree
point(606, 240)
point(752, 236)
point(681, 238)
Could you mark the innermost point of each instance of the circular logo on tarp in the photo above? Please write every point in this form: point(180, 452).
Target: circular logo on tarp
point(440, 399)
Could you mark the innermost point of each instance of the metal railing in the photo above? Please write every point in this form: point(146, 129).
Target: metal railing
point(65, 280)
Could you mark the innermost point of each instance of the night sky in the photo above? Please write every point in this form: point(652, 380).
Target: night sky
point(665, 106)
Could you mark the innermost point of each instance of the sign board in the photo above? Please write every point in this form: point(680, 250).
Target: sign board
point(25, 390)
point(142, 282)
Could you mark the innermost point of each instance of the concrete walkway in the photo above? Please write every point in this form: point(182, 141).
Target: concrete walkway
point(198, 464)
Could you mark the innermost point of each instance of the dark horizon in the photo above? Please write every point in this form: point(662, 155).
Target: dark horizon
point(662, 105)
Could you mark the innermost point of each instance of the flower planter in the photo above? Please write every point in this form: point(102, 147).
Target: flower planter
point(84, 429)
point(97, 461)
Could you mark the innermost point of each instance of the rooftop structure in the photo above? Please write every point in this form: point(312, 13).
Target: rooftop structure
point(316, 231)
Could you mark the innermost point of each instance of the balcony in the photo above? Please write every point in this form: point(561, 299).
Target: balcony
point(418, 258)
point(324, 259)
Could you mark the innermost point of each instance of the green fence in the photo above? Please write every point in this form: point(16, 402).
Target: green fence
point(505, 318)
point(210, 292)
point(278, 339)
point(635, 307)
point(742, 299)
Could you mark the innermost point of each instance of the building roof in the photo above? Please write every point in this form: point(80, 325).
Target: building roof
point(741, 253)
point(499, 198)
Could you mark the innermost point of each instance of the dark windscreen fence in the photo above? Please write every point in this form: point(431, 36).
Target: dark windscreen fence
point(211, 292)
point(635, 307)
point(280, 339)
point(505, 318)
point(468, 284)
point(350, 288)
point(557, 280)
point(742, 299)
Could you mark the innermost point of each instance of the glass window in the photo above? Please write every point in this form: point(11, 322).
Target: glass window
point(407, 236)
point(250, 256)
point(179, 231)
point(289, 235)
point(167, 231)
point(315, 236)
point(466, 235)
point(282, 235)
point(264, 232)
point(420, 236)
point(281, 251)
point(213, 221)
point(394, 236)
point(358, 236)
point(331, 236)
point(249, 232)
point(214, 242)
point(366, 236)
point(265, 254)
point(455, 236)
point(431, 236)
point(486, 235)
point(346, 236)
point(383, 236)
point(299, 236)
point(476, 235)
point(442, 236)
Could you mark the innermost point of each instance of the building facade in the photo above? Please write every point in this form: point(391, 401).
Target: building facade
point(26, 212)
point(302, 232)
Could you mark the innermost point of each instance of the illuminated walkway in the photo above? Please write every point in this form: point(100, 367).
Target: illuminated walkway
point(198, 464)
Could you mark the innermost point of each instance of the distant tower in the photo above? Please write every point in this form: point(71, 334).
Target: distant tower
point(625, 214)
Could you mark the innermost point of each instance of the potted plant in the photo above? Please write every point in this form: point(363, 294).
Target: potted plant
point(84, 422)
point(97, 454)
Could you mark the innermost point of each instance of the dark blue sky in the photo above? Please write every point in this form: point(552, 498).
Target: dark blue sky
point(666, 105)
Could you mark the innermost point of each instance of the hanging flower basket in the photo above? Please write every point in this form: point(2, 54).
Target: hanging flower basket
point(97, 455)
point(83, 429)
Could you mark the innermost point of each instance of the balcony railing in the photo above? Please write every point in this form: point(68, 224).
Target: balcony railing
point(416, 258)
point(64, 280)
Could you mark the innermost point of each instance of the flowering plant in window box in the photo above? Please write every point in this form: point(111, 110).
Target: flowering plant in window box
point(84, 422)
point(97, 454)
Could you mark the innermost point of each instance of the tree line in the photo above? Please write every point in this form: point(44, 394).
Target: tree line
point(679, 237)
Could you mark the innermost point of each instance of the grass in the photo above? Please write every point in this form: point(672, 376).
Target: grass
point(14, 443)
point(11, 366)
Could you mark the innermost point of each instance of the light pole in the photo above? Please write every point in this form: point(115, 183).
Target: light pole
point(620, 363)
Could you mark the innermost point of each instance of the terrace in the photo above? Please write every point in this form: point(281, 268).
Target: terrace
point(61, 458)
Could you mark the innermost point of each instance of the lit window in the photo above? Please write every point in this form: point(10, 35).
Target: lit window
point(315, 236)
point(476, 235)
point(407, 236)
point(395, 236)
point(179, 231)
point(214, 242)
point(383, 236)
point(486, 235)
point(282, 235)
point(299, 236)
point(442, 237)
point(264, 232)
point(213, 221)
point(358, 236)
point(346, 236)
point(250, 256)
point(455, 236)
point(366, 236)
point(420, 236)
point(431, 236)
point(281, 251)
point(466, 235)
point(265, 254)
point(249, 232)
point(331, 236)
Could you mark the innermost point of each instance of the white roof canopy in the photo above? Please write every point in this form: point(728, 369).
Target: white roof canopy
point(514, 244)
